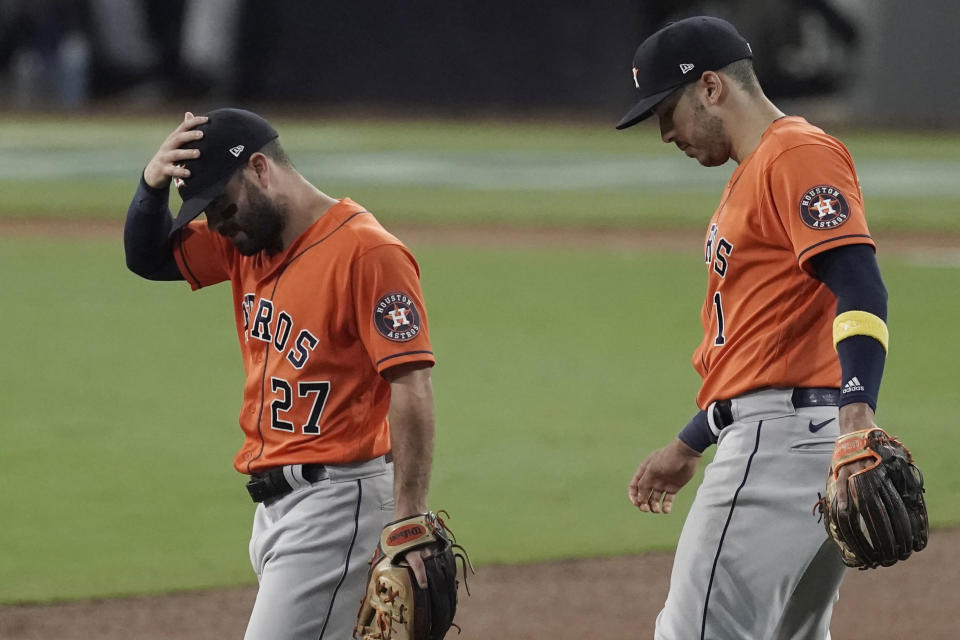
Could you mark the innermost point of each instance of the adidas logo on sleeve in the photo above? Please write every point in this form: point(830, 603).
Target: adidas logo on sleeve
point(853, 384)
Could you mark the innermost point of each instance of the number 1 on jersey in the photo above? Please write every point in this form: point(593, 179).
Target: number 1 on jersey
point(718, 303)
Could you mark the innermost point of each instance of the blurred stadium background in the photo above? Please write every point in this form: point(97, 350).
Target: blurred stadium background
point(865, 62)
point(559, 367)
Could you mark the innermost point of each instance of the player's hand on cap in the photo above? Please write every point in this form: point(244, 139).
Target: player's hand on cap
point(164, 165)
point(661, 475)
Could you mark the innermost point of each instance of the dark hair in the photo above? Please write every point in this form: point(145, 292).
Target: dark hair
point(742, 71)
point(275, 152)
point(272, 150)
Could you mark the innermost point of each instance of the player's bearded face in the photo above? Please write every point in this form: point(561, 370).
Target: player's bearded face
point(263, 221)
point(255, 224)
point(685, 121)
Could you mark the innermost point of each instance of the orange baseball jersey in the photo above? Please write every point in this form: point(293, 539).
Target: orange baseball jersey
point(317, 325)
point(767, 321)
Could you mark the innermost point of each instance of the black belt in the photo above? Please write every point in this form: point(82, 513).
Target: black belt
point(272, 484)
point(802, 397)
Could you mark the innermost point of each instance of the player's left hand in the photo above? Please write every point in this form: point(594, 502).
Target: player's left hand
point(661, 475)
point(856, 416)
point(843, 484)
point(415, 559)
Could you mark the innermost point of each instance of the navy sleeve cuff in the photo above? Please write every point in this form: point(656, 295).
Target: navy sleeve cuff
point(697, 434)
point(862, 359)
point(158, 191)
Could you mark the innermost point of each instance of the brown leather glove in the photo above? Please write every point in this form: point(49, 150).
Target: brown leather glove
point(395, 607)
point(885, 518)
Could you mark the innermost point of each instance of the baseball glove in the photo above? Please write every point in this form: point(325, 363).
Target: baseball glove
point(395, 607)
point(885, 518)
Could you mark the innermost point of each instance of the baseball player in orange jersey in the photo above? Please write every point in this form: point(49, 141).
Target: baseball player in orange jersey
point(792, 281)
point(333, 332)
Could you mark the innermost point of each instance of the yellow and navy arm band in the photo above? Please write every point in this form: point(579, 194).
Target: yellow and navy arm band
point(860, 323)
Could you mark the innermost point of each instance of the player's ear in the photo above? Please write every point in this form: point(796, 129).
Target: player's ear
point(261, 167)
point(712, 87)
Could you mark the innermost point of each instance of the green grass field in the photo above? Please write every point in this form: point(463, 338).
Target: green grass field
point(557, 370)
point(120, 396)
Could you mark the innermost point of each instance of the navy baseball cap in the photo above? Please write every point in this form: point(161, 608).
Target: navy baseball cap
point(676, 55)
point(230, 137)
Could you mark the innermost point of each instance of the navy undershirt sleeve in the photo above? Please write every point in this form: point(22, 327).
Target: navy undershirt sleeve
point(697, 434)
point(852, 274)
point(146, 235)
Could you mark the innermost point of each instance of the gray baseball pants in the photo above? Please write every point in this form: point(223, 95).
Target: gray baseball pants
point(752, 561)
point(310, 551)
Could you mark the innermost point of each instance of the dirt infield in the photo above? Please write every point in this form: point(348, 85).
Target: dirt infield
point(598, 599)
point(575, 599)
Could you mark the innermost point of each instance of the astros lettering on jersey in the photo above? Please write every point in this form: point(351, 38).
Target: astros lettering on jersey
point(763, 319)
point(314, 390)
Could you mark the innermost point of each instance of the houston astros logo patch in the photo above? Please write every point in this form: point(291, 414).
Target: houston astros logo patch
point(396, 317)
point(823, 207)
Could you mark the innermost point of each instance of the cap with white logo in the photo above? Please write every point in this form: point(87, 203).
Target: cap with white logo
point(676, 55)
point(230, 137)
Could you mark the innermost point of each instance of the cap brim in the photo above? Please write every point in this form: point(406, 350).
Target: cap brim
point(643, 109)
point(197, 204)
